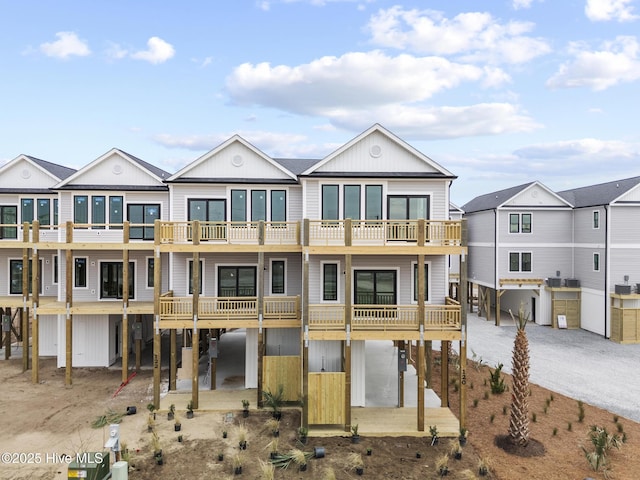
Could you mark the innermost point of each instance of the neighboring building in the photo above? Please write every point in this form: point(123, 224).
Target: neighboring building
point(570, 253)
point(311, 258)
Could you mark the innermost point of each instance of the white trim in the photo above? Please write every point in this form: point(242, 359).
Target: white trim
point(73, 272)
point(271, 260)
point(202, 275)
point(593, 216)
point(339, 282)
point(428, 279)
point(99, 280)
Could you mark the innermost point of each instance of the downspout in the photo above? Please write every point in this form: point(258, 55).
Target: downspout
point(495, 264)
point(606, 268)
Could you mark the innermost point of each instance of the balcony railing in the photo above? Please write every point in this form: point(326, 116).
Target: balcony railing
point(384, 317)
point(228, 308)
point(385, 232)
point(268, 233)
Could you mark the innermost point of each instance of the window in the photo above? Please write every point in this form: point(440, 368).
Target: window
point(116, 212)
point(278, 269)
point(236, 281)
point(55, 269)
point(150, 272)
point(55, 212)
point(352, 201)
point(596, 262)
point(80, 272)
point(596, 219)
point(207, 210)
point(112, 280)
point(329, 282)
point(415, 282)
point(27, 210)
point(373, 202)
point(375, 287)
point(258, 205)
point(519, 223)
point(278, 205)
point(142, 218)
point(191, 277)
point(329, 202)
point(15, 275)
point(81, 209)
point(407, 207)
point(44, 211)
point(520, 261)
point(9, 216)
point(98, 212)
point(238, 205)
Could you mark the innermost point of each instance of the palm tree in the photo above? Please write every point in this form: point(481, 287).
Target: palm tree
point(519, 423)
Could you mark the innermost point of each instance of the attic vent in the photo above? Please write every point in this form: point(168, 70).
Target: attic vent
point(26, 173)
point(237, 161)
point(375, 151)
point(117, 169)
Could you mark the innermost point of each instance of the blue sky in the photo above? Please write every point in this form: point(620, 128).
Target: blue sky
point(499, 92)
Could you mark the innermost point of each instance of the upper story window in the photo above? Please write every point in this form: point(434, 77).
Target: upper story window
point(329, 282)
point(278, 205)
point(520, 262)
point(80, 272)
point(142, 218)
point(596, 219)
point(44, 211)
point(596, 262)
point(207, 209)
point(8, 217)
point(519, 223)
point(26, 209)
point(112, 280)
point(15, 275)
point(415, 282)
point(95, 212)
point(238, 205)
point(353, 202)
point(278, 273)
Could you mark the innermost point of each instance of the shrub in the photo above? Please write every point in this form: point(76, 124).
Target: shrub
point(497, 380)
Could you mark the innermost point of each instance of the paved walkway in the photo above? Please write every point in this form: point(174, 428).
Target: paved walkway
point(575, 363)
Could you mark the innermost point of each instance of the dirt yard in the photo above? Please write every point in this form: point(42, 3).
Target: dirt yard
point(48, 420)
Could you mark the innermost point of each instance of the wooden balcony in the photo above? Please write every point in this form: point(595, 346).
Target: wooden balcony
point(229, 312)
point(385, 321)
point(231, 233)
point(385, 233)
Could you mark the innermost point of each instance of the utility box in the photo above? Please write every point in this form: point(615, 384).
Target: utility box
point(137, 331)
point(554, 282)
point(90, 465)
point(623, 289)
point(213, 348)
point(402, 360)
point(571, 282)
point(6, 323)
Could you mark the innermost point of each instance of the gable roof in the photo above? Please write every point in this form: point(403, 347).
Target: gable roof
point(59, 171)
point(493, 200)
point(297, 165)
point(440, 171)
point(180, 175)
point(152, 171)
point(601, 194)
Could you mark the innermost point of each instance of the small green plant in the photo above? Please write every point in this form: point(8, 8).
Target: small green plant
point(486, 395)
point(492, 418)
point(547, 402)
point(551, 397)
point(602, 441)
point(354, 430)
point(545, 409)
point(274, 400)
point(471, 385)
point(433, 431)
point(555, 431)
point(620, 427)
point(616, 418)
point(475, 402)
point(534, 417)
point(569, 426)
point(151, 407)
point(267, 470)
point(190, 406)
point(580, 411)
point(504, 409)
point(497, 380)
point(484, 464)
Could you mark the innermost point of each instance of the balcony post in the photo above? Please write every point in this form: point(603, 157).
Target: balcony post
point(421, 232)
point(69, 302)
point(463, 327)
point(347, 347)
point(125, 301)
point(35, 288)
point(348, 232)
point(25, 297)
point(195, 340)
point(421, 326)
point(157, 286)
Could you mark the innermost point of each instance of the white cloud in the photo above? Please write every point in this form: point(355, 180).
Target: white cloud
point(616, 62)
point(476, 36)
point(261, 139)
point(354, 80)
point(67, 44)
point(159, 51)
point(116, 52)
point(605, 10)
point(521, 4)
point(429, 123)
